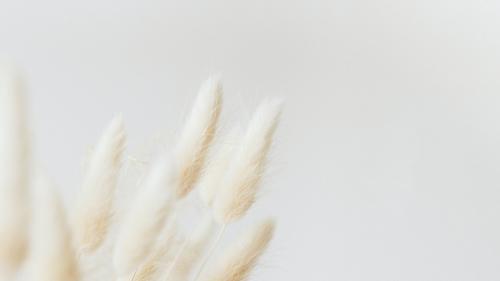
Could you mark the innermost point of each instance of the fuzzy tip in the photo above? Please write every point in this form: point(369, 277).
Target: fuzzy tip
point(197, 135)
point(147, 217)
point(239, 189)
point(95, 204)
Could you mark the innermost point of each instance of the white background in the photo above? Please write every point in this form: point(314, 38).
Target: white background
point(387, 163)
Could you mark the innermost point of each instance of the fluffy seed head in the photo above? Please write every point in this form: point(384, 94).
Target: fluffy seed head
point(239, 188)
point(14, 171)
point(53, 255)
point(95, 202)
point(197, 135)
point(145, 220)
point(239, 261)
point(217, 167)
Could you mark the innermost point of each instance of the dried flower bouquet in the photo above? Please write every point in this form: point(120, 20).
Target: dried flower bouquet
point(50, 243)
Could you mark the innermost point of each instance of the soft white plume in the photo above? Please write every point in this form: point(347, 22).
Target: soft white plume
point(94, 208)
point(14, 171)
point(197, 135)
point(217, 168)
point(238, 262)
point(239, 188)
point(53, 258)
point(145, 219)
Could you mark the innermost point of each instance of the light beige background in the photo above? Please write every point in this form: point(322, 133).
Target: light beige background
point(387, 164)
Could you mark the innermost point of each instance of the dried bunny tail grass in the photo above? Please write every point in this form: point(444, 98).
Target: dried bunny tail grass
point(197, 135)
point(237, 264)
point(161, 256)
point(95, 202)
point(217, 167)
point(14, 171)
point(238, 191)
point(145, 220)
point(193, 251)
point(53, 256)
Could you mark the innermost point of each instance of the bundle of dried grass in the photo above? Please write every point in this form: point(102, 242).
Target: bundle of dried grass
point(145, 244)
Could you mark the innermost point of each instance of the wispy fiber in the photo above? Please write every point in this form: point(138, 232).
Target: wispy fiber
point(239, 188)
point(95, 203)
point(14, 171)
point(238, 262)
point(145, 219)
point(53, 256)
point(197, 135)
